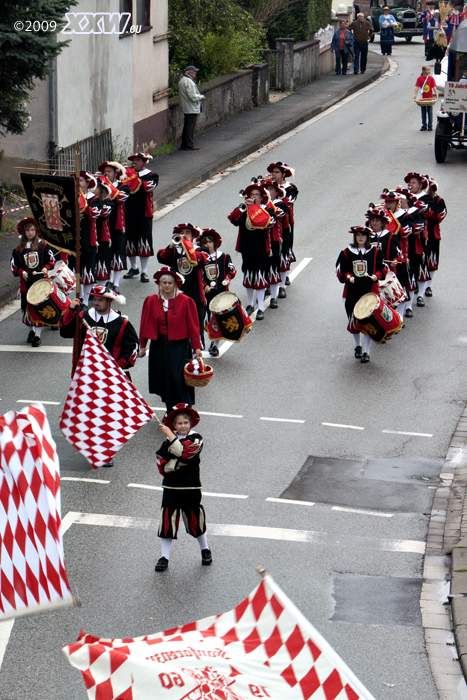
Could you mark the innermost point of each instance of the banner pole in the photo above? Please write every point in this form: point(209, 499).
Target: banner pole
point(76, 348)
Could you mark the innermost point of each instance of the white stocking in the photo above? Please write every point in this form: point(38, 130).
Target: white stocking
point(408, 304)
point(401, 308)
point(260, 296)
point(251, 296)
point(116, 277)
point(133, 264)
point(283, 278)
point(366, 344)
point(166, 544)
point(421, 289)
point(86, 288)
point(203, 541)
point(38, 331)
point(432, 275)
point(274, 289)
point(144, 264)
point(357, 338)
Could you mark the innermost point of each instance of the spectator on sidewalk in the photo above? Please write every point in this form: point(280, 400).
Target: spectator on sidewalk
point(387, 22)
point(340, 44)
point(362, 32)
point(190, 104)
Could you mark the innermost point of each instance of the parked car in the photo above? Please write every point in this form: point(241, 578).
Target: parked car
point(451, 127)
point(409, 19)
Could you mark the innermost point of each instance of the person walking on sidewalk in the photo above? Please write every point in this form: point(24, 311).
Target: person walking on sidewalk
point(190, 104)
point(340, 44)
point(362, 32)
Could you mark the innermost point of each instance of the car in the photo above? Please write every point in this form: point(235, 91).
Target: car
point(450, 128)
point(409, 19)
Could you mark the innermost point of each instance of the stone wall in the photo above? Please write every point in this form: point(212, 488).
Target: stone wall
point(225, 96)
point(305, 62)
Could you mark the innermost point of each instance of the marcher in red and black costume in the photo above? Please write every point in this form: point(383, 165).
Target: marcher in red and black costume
point(113, 330)
point(104, 241)
point(30, 261)
point(353, 265)
point(188, 260)
point(170, 321)
point(90, 211)
point(113, 173)
point(178, 460)
point(219, 271)
point(254, 244)
point(280, 172)
point(437, 212)
point(139, 213)
point(280, 240)
point(395, 225)
point(418, 184)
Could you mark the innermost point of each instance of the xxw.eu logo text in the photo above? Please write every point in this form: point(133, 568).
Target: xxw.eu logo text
point(99, 23)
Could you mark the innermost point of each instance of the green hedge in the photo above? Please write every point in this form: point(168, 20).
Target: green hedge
point(301, 20)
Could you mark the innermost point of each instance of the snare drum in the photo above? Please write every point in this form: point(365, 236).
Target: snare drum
point(62, 277)
point(391, 290)
point(46, 303)
point(228, 318)
point(375, 318)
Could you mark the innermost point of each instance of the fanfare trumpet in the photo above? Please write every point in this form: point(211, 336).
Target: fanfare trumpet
point(176, 239)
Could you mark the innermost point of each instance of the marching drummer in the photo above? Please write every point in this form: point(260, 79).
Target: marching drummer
point(182, 255)
point(358, 268)
point(30, 261)
point(219, 271)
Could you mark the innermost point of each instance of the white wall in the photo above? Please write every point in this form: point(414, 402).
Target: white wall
point(33, 144)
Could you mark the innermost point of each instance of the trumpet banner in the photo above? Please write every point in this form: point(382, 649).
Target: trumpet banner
point(263, 648)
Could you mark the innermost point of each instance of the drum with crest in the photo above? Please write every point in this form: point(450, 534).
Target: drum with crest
point(62, 277)
point(229, 320)
point(375, 318)
point(391, 290)
point(46, 303)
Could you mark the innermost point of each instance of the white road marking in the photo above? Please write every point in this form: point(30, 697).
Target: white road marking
point(282, 420)
point(42, 348)
point(46, 403)
point(252, 531)
point(363, 512)
point(88, 481)
point(339, 425)
point(203, 413)
point(5, 632)
point(205, 493)
point(6, 311)
point(288, 500)
point(402, 432)
point(299, 268)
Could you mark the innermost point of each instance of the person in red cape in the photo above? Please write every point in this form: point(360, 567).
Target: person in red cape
point(170, 321)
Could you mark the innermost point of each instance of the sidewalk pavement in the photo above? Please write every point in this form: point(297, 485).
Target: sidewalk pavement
point(224, 145)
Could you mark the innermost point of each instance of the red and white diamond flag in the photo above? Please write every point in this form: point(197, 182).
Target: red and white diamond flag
point(263, 648)
point(103, 409)
point(32, 565)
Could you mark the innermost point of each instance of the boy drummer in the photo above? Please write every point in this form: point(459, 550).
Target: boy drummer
point(178, 460)
point(219, 271)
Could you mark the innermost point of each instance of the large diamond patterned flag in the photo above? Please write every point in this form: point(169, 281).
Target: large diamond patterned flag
point(103, 409)
point(263, 648)
point(32, 566)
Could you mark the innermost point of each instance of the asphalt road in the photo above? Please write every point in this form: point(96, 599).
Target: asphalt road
point(355, 575)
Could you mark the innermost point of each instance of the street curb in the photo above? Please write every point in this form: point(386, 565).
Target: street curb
point(192, 180)
point(10, 294)
point(443, 600)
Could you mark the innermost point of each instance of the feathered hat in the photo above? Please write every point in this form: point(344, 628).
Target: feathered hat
point(286, 169)
point(120, 169)
point(168, 271)
point(379, 212)
point(21, 224)
point(105, 293)
point(273, 183)
point(181, 408)
point(196, 231)
point(213, 234)
point(362, 230)
point(422, 178)
point(90, 179)
point(144, 156)
point(391, 195)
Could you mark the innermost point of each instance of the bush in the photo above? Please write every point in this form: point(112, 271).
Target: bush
point(301, 20)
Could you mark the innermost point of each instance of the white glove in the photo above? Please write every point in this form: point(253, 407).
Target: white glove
point(225, 282)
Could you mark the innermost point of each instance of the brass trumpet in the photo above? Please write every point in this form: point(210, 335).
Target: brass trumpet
point(242, 207)
point(176, 239)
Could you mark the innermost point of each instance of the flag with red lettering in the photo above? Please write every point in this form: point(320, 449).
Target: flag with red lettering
point(32, 565)
point(103, 409)
point(263, 648)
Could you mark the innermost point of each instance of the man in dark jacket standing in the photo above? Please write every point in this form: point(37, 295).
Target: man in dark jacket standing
point(362, 32)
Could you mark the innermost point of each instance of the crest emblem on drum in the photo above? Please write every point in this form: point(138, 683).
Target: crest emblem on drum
point(231, 324)
point(32, 259)
point(360, 268)
point(211, 271)
point(61, 296)
point(101, 333)
point(47, 312)
point(184, 266)
point(386, 313)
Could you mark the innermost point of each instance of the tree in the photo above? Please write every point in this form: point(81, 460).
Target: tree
point(25, 55)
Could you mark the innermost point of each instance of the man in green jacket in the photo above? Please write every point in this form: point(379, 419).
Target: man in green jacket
point(362, 32)
point(190, 104)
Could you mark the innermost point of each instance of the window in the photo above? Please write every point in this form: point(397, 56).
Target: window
point(143, 13)
point(126, 6)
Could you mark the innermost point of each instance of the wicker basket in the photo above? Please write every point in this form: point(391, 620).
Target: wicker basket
point(197, 380)
point(427, 102)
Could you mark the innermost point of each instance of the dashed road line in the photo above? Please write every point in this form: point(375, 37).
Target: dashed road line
point(203, 413)
point(282, 420)
point(290, 501)
point(362, 512)
point(88, 481)
point(339, 425)
point(205, 493)
point(42, 348)
point(402, 432)
point(250, 531)
point(46, 403)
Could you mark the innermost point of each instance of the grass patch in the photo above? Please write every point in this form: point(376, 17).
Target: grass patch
point(164, 150)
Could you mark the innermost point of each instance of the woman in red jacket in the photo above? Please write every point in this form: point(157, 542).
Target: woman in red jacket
point(170, 321)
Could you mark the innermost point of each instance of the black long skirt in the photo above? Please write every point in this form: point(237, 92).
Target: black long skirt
point(166, 363)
